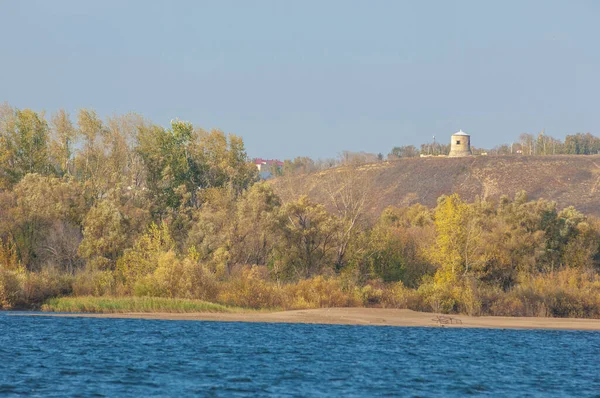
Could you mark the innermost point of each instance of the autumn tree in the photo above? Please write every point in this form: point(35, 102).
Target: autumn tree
point(144, 257)
point(405, 151)
point(256, 215)
point(105, 234)
point(91, 162)
point(307, 239)
point(527, 142)
point(226, 161)
point(347, 189)
point(43, 220)
point(393, 248)
point(212, 227)
point(62, 146)
point(582, 144)
point(458, 236)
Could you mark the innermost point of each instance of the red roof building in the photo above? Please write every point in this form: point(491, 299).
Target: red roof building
point(267, 164)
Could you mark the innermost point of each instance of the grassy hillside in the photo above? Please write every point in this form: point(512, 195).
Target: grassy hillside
point(567, 179)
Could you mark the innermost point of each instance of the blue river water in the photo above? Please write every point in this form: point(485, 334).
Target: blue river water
point(61, 357)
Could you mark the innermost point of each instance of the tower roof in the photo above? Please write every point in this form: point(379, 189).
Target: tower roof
point(460, 132)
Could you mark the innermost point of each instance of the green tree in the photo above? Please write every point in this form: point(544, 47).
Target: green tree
point(24, 146)
point(393, 248)
point(173, 174)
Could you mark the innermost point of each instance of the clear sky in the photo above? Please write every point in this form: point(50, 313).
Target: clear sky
point(313, 78)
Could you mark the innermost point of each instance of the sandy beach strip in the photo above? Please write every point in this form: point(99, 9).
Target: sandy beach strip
point(359, 316)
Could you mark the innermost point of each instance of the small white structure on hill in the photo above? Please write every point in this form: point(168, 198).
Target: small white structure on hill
point(460, 145)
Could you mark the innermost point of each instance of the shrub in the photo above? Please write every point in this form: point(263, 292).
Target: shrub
point(93, 283)
point(371, 295)
point(469, 297)
point(506, 305)
point(203, 282)
point(440, 295)
point(40, 286)
point(11, 288)
point(136, 266)
point(169, 279)
point(399, 296)
point(566, 293)
point(249, 290)
point(321, 292)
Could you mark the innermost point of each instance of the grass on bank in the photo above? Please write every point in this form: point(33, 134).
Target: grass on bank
point(131, 304)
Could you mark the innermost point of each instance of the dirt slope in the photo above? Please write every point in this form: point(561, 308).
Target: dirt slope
point(568, 180)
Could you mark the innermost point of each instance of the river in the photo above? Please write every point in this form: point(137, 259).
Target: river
point(59, 357)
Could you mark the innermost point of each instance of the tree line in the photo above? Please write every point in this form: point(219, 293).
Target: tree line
point(527, 144)
point(128, 208)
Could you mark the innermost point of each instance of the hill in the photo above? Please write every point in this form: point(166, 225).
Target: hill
point(566, 179)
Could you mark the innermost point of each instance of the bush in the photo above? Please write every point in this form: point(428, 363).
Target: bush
point(440, 295)
point(136, 266)
point(203, 281)
point(371, 295)
point(566, 293)
point(11, 288)
point(249, 290)
point(506, 305)
point(469, 298)
point(94, 283)
point(448, 294)
point(169, 279)
point(399, 296)
point(40, 286)
point(321, 292)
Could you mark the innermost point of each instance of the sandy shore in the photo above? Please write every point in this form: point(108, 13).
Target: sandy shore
point(363, 316)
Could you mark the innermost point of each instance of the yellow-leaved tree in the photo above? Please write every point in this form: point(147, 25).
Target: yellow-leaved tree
point(458, 252)
point(144, 257)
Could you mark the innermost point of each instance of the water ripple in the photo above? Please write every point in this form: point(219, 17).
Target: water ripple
point(57, 357)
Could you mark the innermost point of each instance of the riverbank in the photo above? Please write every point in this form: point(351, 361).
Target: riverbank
point(360, 316)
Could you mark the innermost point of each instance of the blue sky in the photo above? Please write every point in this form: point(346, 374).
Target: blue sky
point(313, 78)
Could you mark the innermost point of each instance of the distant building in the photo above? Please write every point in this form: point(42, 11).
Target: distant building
point(267, 167)
point(460, 145)
point(267, 164)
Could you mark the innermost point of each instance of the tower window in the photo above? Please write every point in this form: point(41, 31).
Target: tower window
point(458, 142)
